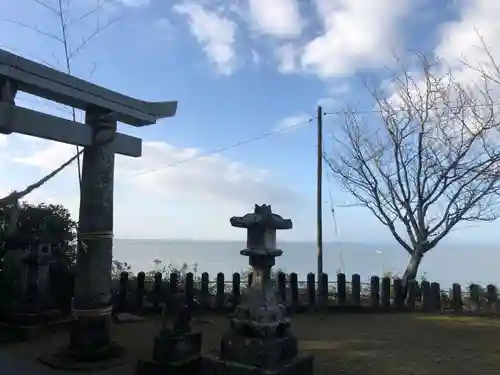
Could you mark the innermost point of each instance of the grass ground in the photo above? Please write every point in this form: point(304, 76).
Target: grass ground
point(390, 344)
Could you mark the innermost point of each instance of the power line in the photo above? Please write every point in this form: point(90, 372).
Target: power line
point(367, 111)
point(222, 149)
point(269, 134)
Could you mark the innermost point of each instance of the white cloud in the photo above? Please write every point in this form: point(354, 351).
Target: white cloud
point(460, 39)
point(208, 178)
point(356, 33)
point(292, 123)
point(207, 187)
point(287, 58)
point(353, 34)
point(215, 32)
point(277, 18)
point(3, 140)
point(334, 96)
point(48, 158)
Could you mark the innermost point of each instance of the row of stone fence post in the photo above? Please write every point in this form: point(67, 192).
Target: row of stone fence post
point(381, 293)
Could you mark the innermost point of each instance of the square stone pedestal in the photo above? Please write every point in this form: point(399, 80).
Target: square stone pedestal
point(173, 355)
point(255, 351)
point(302, 364)
point(189, 366)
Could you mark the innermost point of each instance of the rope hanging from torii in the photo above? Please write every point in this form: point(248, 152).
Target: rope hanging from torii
point(15, 196)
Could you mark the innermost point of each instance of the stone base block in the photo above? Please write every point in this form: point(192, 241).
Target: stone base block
point(111, 356)
point(213, 365)
point(90, 337)
point(189, 366)
point(90, 347)
point(169, 348)
point(255, 351)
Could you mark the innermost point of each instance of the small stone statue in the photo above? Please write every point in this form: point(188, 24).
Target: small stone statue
point(182, 319)
point(164, 326)
point(176, 350)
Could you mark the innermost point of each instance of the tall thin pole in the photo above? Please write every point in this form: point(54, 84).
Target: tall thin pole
point(319, 198)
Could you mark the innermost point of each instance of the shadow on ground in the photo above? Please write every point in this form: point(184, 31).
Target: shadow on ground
point(402, 344)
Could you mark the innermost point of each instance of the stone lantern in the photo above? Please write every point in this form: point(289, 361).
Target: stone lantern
point(259, 340)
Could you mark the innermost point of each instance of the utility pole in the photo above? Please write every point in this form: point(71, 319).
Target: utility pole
point(319, 197)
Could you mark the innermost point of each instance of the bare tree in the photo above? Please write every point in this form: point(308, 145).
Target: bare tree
point(426, 159)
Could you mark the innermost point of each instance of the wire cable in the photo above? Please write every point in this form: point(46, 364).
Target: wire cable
point(222, 149)
point(368, 111)
point(334, 218)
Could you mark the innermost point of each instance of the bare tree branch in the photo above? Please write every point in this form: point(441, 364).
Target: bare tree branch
point(46, 6)
point(86, 40)
point(425, 159)
point(87, 14)
point(37, 30)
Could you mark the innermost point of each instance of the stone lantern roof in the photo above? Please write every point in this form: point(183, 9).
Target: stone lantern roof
point(263, 218)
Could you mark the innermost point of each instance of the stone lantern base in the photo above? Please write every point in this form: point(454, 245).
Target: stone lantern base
point(173, 354)
point(242, 355)
point(302, 364)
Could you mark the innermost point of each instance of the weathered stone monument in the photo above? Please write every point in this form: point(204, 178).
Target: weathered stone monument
point(90, 333)
point(44, 259)
point(259, 340)
point(30, 306)
point(37, 298)
point(177, 350)
point(27, 271)
point(15, 275)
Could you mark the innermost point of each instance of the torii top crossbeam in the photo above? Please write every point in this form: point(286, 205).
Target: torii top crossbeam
point(45, 82)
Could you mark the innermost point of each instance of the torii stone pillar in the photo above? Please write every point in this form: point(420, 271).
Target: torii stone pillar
point(90, 331)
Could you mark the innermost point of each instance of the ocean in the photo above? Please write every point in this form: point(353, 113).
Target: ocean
point(445, 264)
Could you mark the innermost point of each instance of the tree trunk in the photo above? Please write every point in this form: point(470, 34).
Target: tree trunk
point(412, 268)
point(411, 272)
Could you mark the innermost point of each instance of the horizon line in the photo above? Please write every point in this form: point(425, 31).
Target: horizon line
point(368, 242)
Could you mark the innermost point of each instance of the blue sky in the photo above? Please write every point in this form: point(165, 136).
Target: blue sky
point(239, 69)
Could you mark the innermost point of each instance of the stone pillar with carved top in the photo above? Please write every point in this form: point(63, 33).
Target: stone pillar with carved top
point(90, 333)
point(259, 340)
point(90, 342)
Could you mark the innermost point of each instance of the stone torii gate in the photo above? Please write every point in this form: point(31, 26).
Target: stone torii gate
point(90, 332)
